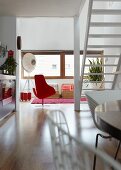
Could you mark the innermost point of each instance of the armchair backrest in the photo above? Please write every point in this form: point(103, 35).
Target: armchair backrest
point(39, 81)
point(42, 89)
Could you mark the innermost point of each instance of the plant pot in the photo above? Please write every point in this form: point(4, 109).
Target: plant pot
point(97, 85)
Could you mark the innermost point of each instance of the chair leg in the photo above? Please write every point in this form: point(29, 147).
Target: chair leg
point(117, 150)
point(96, 145)
point(42, 102)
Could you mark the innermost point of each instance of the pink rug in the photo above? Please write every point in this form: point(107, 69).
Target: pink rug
point(55, 101)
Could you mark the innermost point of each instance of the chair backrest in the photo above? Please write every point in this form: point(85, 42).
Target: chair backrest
point(43, 90)
point(39, 81)
point(77, 155)
point(99, 97)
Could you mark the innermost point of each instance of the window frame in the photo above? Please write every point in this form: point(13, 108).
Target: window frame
point(62, 54)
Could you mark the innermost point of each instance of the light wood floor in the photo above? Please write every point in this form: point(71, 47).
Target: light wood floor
point(25, 140)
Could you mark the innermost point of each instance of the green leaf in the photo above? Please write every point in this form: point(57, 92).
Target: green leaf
point(93, 68)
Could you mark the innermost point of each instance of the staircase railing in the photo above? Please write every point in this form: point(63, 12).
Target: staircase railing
point(86, 42)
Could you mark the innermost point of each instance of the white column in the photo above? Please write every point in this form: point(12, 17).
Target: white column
point(18, 74)
point(76, 63)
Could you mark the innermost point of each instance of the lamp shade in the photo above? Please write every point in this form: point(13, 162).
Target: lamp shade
point(29, 62)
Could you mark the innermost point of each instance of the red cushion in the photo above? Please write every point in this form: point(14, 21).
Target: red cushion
point(67, 87)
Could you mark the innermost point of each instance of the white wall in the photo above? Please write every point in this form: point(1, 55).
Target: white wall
point(44, 33)
point(8, 33)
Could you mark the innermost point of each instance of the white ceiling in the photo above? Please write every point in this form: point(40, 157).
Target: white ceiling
point(29, 8)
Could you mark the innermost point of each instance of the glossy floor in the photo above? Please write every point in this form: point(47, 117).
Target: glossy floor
point(25, 140)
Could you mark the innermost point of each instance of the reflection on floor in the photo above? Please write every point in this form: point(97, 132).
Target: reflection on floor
point(25, 141)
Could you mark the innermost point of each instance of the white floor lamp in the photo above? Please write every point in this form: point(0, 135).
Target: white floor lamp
point(29, 64)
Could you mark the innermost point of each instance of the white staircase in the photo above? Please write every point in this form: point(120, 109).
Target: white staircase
point(103, 33)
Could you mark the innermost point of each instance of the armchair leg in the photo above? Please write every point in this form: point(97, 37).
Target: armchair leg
point(42, 102)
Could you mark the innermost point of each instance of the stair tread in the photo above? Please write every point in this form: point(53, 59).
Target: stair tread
point(96, 89)
point(104, 46)
point(104, 56)
point(99, 73)
point(104, 35)
point(98, 65)
point(106, 12)
point(108, 0)
point(97, 82)
point(105, 24)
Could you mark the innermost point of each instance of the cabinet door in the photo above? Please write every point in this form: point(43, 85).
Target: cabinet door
point(0, 91)
point(7, 104)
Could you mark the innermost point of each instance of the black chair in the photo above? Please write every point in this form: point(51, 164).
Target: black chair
point(96, 98)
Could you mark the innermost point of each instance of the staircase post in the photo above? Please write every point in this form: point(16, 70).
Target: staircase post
point(76, 63)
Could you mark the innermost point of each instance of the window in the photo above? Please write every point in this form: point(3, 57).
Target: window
point(54, 64)
point(69, 65)
point(48, 65)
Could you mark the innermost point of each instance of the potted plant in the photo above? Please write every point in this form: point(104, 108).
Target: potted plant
point(96, 67)
point(9, 65)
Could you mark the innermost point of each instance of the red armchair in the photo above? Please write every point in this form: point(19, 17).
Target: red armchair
point(42, 89)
